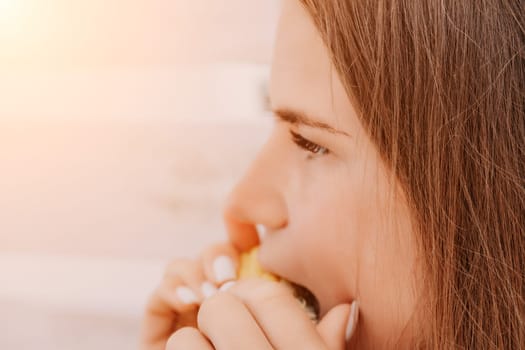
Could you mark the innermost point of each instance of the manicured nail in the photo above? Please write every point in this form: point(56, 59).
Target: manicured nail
point(227, 286)
point(208, 289)
point(352, 320)
point(223, 269)
point(261, 230)
point(186, 295)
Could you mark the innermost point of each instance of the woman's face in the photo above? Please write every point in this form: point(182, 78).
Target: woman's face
point(320, 189)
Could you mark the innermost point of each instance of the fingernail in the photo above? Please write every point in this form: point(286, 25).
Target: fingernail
point(227, 286)
point(186, 295)
point(208, 289)
point(352, 320)
point(261, 230)
point(223, 268)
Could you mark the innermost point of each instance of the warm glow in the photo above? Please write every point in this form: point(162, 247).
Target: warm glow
point(14, 23)
point(10, 12)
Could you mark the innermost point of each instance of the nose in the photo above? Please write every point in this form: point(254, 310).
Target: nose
point(257, 199)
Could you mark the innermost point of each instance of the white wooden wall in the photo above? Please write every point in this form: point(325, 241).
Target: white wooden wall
point(123, 125)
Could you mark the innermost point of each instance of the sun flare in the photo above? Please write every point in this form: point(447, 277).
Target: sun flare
point(9, 10)
point(11, 17)
point(15, 24)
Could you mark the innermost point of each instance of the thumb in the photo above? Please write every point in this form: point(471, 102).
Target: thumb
point(338, 326)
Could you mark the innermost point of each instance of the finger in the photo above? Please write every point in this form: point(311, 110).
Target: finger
point(279, 314)
point(243, 236)
point(174, 302)
point(228, 324)
point(170, 297)
point(333, 327)
point(186, 272)
point(164, 309)
point(352, 326)
point(221, 263)
point(188, 338)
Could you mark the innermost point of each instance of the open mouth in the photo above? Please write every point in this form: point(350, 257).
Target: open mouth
point(307, 300)
point(250, 267)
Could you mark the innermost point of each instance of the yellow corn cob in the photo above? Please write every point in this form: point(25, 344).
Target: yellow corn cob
point(250, 267)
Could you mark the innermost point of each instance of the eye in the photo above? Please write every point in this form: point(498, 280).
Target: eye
point(308, 145)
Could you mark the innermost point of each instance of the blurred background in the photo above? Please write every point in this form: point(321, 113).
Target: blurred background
point(123, 126)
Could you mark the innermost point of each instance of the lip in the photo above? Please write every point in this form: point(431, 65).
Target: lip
point(326, 302)
point(305, 295)
point(307, 298)
point(318, 296)
point(323, 302)
point(325, 299)
point(305, 292)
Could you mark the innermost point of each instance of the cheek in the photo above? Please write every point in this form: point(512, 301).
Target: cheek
point(387, 264)
point(325, 224)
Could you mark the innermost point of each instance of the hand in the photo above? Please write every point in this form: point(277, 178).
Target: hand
point(186, 283)
point(261, 315)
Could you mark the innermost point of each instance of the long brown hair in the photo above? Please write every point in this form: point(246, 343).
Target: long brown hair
point(440, 87)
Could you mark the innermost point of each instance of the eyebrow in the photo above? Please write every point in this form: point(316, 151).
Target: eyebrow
point(299, 118)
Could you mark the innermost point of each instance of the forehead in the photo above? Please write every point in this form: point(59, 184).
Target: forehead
point(302, 75)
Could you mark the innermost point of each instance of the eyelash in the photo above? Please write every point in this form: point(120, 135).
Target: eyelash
point(308, 145)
